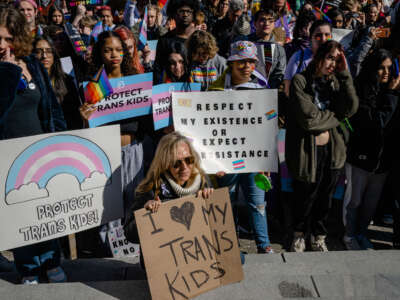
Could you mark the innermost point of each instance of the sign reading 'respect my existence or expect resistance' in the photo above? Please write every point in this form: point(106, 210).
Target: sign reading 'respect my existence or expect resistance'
point(52, 185)
point(189, 246)
point(233, 131)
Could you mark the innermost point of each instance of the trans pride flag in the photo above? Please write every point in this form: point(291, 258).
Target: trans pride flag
point(143, 31)
point(99, 88)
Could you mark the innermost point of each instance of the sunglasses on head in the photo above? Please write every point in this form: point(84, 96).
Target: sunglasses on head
point(179, 163)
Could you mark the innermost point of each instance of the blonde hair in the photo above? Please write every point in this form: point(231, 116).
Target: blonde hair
point(164, 158)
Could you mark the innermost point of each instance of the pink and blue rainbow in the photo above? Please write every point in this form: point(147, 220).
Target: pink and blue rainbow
point(59, 163)
point(238, 164)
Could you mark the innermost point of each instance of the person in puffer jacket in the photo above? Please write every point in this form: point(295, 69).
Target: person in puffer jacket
point(205, 64)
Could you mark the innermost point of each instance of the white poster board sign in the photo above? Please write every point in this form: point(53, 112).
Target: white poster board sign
point(119, 245)
point(52, 185)
point(233, 131)
point(343, 36)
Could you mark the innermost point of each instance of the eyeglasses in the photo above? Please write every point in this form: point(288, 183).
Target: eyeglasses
point(267, 20)
point(41, 52)
point(185, 11)
point(187, 160)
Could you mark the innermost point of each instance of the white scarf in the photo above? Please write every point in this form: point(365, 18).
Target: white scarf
point(180, 191)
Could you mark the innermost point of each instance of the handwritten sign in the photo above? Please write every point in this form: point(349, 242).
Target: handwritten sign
point(189, 246)
point(119, 245)
point(131, 98)
point(233, 131)
point(162, 101)
point(56, 184)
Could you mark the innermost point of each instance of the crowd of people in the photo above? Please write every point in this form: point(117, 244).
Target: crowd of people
point(338, 108)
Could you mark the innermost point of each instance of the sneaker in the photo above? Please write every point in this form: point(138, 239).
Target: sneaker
point(298, 243)
point(351, 243)
point(30, 280)
point(364, 242)
point(56, 275)
point(318, 243)
point(266, 250)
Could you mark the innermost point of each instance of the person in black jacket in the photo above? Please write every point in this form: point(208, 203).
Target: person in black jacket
point(174, 173)
point(28, 107)
point(369, 152)
point(62, 83)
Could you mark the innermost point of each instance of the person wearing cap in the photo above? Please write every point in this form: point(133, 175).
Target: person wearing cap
point(242, 75)
point(29, 9)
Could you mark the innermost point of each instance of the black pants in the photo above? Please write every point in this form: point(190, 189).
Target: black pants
point(313, 201)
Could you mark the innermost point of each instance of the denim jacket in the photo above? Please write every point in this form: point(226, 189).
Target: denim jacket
point(50, 111)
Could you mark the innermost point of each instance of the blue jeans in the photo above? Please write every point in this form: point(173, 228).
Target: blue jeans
point(255, 199)
point(31, 260)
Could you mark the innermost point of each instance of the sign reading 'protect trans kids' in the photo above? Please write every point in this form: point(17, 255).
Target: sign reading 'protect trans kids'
point(52, 185)
point(131, 98)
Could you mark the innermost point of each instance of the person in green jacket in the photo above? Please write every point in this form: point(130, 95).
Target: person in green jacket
point(321, 99)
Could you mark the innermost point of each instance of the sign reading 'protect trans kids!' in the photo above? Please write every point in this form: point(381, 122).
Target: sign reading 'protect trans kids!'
point(52, 185)
point(131, 98)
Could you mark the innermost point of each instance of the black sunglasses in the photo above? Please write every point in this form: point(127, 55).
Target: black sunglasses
point(188, 161)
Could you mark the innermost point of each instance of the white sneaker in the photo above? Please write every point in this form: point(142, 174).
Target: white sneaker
point(298, 243)
point(30, 280)
point(318, 243)
point(351, 243)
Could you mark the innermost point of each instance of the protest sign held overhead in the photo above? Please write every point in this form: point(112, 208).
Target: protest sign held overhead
point(131, 97)
point(56, 184)
point(233, 131)
point(189, 246)
point(162, 101)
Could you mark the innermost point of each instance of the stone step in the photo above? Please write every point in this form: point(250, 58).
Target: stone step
point(333, 275)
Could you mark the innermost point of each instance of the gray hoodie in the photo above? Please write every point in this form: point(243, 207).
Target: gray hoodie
point(207, 73)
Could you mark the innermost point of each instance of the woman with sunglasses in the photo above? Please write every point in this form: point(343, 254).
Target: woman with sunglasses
point(62, 83)
point(175, 172)
point(321, 99)
point(28, 107)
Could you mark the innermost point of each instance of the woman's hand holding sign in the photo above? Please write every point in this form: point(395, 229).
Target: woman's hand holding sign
point(153, 205)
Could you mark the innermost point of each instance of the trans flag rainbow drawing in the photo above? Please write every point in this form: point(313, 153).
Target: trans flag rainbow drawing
point(52, 156)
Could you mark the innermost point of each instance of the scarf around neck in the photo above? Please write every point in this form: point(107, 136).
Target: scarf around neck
point(181, 191)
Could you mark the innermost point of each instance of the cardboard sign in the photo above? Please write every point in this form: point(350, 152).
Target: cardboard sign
point(153, 47)
point(161, 98)
point(75, 39)
point(189, 246)
point(119, 245)
point(52, 185)
point(233, 131)
point(343, 36)
point(131, 98)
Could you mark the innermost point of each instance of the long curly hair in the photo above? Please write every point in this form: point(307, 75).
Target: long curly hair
point(97, 59)
point(164, 158)
point(17, 26)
